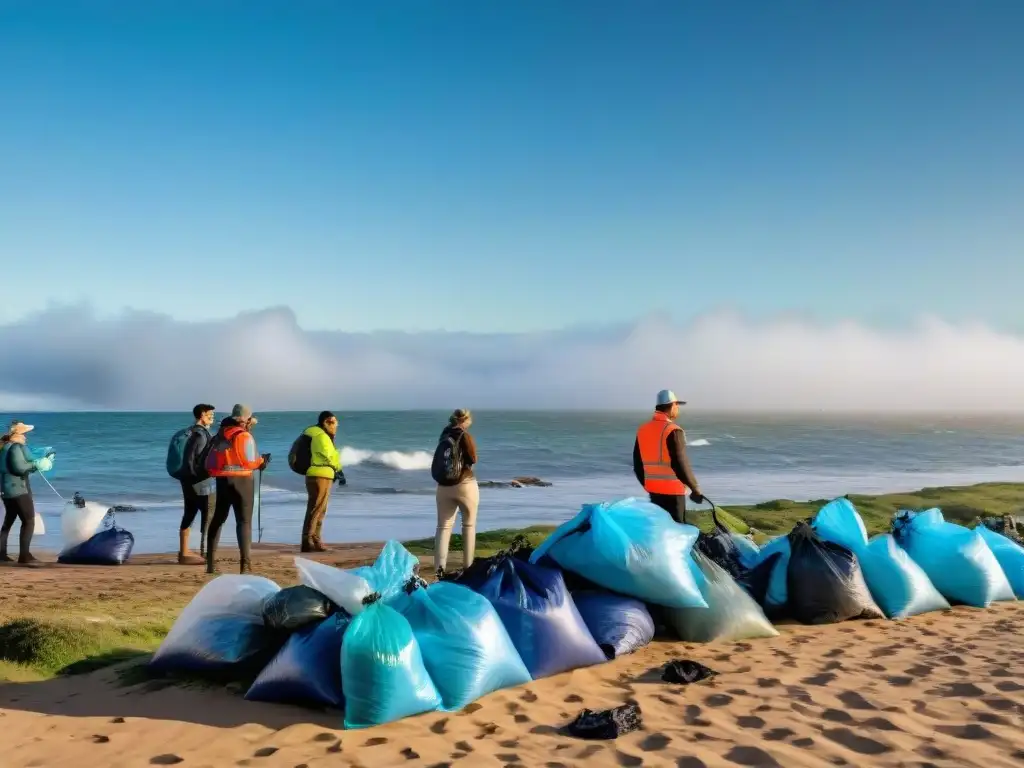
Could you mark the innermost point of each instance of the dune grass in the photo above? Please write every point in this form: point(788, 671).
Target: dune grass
point(50, 635)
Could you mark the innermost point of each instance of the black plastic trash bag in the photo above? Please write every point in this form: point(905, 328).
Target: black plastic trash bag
point(619, 624)
point(685, 671)
point(539, 614)
point(294, 607)
point(112, 546)
point(607, 724)
point(824, 581)
point(307, 670)
point(220, 634)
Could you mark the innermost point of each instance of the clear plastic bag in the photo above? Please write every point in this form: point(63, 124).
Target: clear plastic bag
point(465, 647)
point(631, 547)
point(221, 632)
point(350, 589)
point(731, 614)
point(79, 524)
point(1010, 556)
point(956, 559)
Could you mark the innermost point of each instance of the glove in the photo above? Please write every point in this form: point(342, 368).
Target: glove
point(340, 477)
point(50, 454)
point(266, 460)
point(696, 497)
point(44, 464)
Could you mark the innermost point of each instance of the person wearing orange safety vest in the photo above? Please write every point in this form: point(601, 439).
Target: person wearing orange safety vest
point(232, 459)
point(659, 459)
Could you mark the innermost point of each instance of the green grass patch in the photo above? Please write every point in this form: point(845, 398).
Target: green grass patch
point(487, 542)
point(49, 647)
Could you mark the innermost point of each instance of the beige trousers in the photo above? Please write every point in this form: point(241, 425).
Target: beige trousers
point(463, 498)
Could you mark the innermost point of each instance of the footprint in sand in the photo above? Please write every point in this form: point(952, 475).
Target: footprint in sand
point(520, 718)
point(836, 716)
point(958, 690)
point(691, 716)
point(899, 681)
point(464, 746)
point(690, 762)
point(1009, 687)
point(655, 742)
point(264, 752)
point(802, 743)
point(862, 745)
point(854, 700)
point(972, 732)
point(750, 721)
point(821, 679)
point(920, 670)
point(931, 752)
point(167, 759)
point(509, 743)
point(990, 718)
point(440, 727)
point(410, 754)
point(469, 709)
point(777, 734)
point(768, 682)
point(834, 652)
point(572, 698)
point(324, 737)
point(375, 742)
point(627, 761)
point(717, 700)
point(99, 739)
point(528, 696)
point(751, 756)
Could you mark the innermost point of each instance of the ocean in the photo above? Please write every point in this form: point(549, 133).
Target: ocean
point(118, 458)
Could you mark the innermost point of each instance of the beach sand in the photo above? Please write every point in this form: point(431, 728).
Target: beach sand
point(935, 690)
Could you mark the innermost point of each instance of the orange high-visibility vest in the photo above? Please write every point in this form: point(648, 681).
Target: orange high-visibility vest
point(652, 437)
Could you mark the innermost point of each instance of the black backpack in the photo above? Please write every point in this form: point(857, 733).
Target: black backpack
point(446, 468)
point(300, 457)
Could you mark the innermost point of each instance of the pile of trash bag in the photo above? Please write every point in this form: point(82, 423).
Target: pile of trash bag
point(899, 586)
point(539, 614)
point(466, 649)
point(221, 634)
point(956, 559)
point(631, 547)
point(91, 536)
point(734, 552)
point(732, 614)
point(1010, 556)
point(619, 624)
point(296, 607)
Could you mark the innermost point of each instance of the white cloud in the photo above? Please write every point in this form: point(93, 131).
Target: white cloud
point(70, 357)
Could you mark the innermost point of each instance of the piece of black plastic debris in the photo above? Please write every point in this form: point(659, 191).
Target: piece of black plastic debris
point(684, 672)
point(607, 724)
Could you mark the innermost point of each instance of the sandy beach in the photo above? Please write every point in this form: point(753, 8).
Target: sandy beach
point(938, 689)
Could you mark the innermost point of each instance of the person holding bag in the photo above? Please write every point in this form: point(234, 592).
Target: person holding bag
point(16, 464)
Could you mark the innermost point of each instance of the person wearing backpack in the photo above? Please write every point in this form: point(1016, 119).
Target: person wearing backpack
point(186, 463)
point(231, 460)
point(314, 455)
point(457, 489)
point(16, 464)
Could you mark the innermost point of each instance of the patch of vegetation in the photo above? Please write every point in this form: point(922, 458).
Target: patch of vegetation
point(487, 542)
point(48, 647)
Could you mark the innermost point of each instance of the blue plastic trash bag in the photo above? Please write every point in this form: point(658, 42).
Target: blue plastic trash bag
point(731, 614)
point(1010, 556)
point(899, 586)
point(307, 670)
point(619, 624)
point(748, 550)
point(220, 634)
point(539, 614)
point(777, 595)
point(465, 647)
point(110, 547)
point(631, 547)
point(382, 667)
point(839, 522)
point(394, 566)
point(956, 559)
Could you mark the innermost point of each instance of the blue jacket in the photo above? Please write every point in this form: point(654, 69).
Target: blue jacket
point(15, 467)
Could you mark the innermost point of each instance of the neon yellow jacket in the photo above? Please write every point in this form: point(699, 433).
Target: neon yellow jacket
point(326, 459)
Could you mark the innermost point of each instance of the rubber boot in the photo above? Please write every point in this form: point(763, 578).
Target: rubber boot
point(4, 557)
point(245, 567)
point(211, 557)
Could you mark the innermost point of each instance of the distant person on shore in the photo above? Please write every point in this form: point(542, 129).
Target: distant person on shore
point(314, 455)
point(186, 462)
point(659, 459)
point(16, 464)
point(231, 460)
point(457, 489)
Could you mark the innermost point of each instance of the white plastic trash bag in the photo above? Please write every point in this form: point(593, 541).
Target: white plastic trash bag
point(40, 528)
point(79, 524)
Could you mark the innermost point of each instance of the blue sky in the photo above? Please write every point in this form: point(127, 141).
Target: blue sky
point(514, 166)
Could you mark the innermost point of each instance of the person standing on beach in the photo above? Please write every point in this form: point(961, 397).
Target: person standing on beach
point(231, 460)
point(16, 465)
point(324, 468)
point(457, 488)
point(198, 489)
point(659, 459)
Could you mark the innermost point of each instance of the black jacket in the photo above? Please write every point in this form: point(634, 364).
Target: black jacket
point(677, 455)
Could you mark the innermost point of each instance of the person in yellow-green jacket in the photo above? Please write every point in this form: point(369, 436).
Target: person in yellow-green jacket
point(322, 469)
